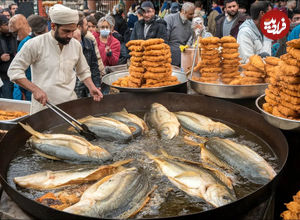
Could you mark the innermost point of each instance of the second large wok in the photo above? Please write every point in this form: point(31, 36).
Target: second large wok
point(225, 111)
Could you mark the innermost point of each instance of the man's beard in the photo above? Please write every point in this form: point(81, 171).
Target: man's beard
point(232, 14)
point(63, 41)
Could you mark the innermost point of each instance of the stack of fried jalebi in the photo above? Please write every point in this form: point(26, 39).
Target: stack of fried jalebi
point(210, 62)
point(157, 62)
point(271, 68)
point(136, 69)
point(150, 65)
point(231, 60)
point(293, 212)
point(254, 72)
point(283, 96)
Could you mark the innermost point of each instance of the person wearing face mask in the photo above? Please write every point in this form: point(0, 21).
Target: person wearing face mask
point(179, 30)
point(53, 57)
point(198, 30)
point(108, 45)
point(151, 26)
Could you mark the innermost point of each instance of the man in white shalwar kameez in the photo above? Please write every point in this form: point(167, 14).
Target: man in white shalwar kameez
point(53, 58)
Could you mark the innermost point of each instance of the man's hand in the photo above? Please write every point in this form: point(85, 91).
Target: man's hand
point(5, 57)
point(40, 96)
point(107, 49)
point(96, 93)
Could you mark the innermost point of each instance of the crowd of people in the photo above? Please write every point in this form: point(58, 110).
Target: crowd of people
point(102, 39)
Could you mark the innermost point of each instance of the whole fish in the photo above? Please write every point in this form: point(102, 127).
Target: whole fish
point(200, 181)
point(119, 196)
point(57, 179)
point(203, 125)
point(108, 128)
point(165, 122)
point(65, 147)
point(136, 124)
point(230, 155)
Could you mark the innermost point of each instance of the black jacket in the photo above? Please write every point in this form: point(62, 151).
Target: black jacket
point(91, 58)
point(158, 29)
point(8, 44)
point(120, 24)
point(241, 17)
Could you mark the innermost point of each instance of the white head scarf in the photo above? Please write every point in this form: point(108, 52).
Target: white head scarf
point(60, 14)
point(196, 21)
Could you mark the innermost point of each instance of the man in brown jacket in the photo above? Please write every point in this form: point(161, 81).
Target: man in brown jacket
point(229, 24)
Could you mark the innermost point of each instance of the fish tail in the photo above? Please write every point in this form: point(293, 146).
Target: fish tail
point(202, 146)
point(120, 163)
point(166, 155)
point(144, 202)
point(220, 175)
point(124, 110)
point(30, 130)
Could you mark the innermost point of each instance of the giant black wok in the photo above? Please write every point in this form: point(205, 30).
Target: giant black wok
point(211, 107)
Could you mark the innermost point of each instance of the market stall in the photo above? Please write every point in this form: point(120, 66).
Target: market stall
point(149, 78)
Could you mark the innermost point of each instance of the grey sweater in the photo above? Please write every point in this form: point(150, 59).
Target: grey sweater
point(178, 33)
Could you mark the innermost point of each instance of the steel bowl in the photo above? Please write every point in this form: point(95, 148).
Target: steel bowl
point(13, 105)
point(282, 123)
point(110, 69)
point(114, 76)
point(228, 91)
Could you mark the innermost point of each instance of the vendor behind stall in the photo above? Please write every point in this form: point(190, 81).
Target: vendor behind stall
point(250, 37)
point(179, 30)
point(52, 57)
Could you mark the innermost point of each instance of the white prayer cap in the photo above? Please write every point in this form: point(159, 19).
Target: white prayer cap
point(60, 14)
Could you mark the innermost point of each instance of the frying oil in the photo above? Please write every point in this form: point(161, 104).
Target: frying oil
point(167, 200)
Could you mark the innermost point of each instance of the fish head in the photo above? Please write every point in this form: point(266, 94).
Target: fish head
point(169, 130)
point(219, 195)
point(223, 129)
point(156, 105)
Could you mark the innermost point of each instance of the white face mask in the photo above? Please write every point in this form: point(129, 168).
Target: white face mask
point(104, 32)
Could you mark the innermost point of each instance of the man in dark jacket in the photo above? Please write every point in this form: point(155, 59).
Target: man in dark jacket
point(90, 55)
point(151, 26)
point(229, 25)
point(120, 23)
point(8, 50)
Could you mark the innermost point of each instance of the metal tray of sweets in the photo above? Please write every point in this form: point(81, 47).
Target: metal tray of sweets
point(282, 123)
point(228, 91)
point(13, 105)
point(114, 76)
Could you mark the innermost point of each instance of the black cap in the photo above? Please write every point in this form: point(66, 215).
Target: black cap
point(3, 20)
point(147, 4)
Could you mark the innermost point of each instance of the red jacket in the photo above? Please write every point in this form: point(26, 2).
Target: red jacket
point(115, 47)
